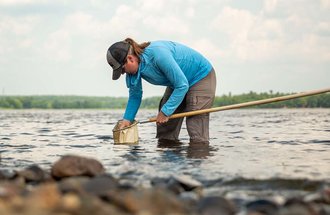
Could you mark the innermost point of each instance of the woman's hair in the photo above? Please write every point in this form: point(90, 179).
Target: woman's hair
point(137, 48)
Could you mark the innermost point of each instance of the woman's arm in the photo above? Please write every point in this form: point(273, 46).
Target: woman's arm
point(169, 67)
point(134, 101)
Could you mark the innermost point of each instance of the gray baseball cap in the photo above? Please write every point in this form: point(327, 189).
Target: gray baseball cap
point(116, 56)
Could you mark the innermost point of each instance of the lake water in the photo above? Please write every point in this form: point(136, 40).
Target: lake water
point(252, 152)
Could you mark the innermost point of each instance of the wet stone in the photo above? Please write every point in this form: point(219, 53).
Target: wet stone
point(33, 174)
point(125, 185)
point(8, 208)
point(159, 182)
point(324, 209)
point(9, 190)
point(92, 205)
point(168, 184)
point(6, 174)
point(322, 196)
point(314, 197)
point(326, 195)
point(44, 197)
point(297, 207)
point(178, 184)
point(72, 165)
point(262, 206)
point(70, 202)
point(73, 184)
point(187, 182)
point(147, 201)
point(214, 205)
point(190, 199)
point(101, 185)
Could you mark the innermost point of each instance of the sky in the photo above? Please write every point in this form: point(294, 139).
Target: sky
point(59, 47)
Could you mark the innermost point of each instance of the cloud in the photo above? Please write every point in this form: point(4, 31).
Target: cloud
point(125, 19)
point(325, 4)
point(77, 37)
point(251, 37)
point(190, 12)
point(323, 29)
point(167, 25)
point(58, 46)
point(146, 18)
point(151, 5)
point(208, 49)
point(258, 37)
point(15, 35)
point(20, 2)
point(18, 25)
point(270, 5)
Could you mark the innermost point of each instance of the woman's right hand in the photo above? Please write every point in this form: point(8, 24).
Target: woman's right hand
point(124, 123)
point(161, 118)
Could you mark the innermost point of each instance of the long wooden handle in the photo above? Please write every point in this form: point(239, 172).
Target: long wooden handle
point(245, 104)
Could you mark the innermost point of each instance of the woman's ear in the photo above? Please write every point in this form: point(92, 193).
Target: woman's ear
point(130, 58)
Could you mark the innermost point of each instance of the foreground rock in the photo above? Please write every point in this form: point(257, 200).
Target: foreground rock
point(71, 165)
point(215, 205)
point(147, 201)
point(79, 186)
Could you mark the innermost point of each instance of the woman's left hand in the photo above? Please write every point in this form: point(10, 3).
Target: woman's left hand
point(161, 118)
point(124, 123)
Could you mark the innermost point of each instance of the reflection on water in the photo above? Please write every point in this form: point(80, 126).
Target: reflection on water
point(245, 144)
point(190, 150)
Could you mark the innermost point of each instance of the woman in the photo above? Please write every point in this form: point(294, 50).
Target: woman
point(188, 76)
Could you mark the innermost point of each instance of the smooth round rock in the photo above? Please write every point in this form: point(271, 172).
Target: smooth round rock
point(72, 165)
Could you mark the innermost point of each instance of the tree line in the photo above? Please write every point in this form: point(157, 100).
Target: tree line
point(88, 102)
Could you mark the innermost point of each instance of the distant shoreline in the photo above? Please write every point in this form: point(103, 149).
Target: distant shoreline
point(94, 102)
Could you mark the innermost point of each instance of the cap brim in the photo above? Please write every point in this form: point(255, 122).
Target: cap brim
point(117, 73)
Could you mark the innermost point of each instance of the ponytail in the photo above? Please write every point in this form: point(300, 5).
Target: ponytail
point(137, 48)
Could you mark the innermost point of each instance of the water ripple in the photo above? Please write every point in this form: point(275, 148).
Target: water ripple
point(249, 149)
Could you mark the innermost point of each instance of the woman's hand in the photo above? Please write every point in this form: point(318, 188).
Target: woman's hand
point(124, 123)
point(161, 118)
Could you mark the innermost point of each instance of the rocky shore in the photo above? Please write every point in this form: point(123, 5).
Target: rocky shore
point(80, 185)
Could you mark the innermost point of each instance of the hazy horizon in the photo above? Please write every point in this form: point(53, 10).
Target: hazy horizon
point(160, 95)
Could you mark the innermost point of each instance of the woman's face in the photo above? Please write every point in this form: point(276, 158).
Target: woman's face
point(132, 65)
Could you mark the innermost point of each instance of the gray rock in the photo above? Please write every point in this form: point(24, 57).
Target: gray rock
point(324, 210)
point(322, 196)
point(101, 185)
point(92, 205)
point(147, 201)
point(297, 207)
point(215, 205)
point(6, 174)
point(262, 206)
point(187, 182)
point(178, 184)
point(189, 198)
point(73, 184)
point(33, 174)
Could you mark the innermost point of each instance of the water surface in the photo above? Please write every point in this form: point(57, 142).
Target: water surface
point(257, 151)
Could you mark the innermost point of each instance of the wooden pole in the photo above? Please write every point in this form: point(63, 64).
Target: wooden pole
point(245, 104)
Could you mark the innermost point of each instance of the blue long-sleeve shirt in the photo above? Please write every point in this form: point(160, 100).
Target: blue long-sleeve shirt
point(168, 64)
